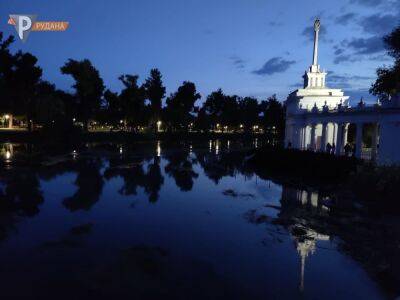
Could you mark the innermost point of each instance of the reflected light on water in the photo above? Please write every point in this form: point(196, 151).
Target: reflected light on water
point(158, 148)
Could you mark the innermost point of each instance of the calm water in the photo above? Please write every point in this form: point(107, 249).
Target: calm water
point(190, 221)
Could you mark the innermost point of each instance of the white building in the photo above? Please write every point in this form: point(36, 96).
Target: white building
point(318, 115)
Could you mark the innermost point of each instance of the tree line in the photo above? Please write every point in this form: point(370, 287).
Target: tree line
point(25, 95)
point(37, 103)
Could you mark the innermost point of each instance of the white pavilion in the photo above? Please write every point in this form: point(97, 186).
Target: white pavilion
point(317, 115)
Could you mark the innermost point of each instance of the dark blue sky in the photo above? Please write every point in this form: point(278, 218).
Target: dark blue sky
point(245, 47)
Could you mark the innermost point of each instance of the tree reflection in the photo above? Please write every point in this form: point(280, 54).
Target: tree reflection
point(131, 170)
point(90, 185)
point(154, 180)
point(224, 164)
point(180, 167)
point(20, 195)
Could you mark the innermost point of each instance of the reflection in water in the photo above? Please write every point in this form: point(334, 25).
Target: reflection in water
point(7, 151)
point(293, 203)
point(90, 185)
point(180, 167)
point(198, 248)
point(158, 148)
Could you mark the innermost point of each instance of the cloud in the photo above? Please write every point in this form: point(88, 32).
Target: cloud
point(338, 51)
point(345, 58)
point(345, 18)
point(371, 48)
point(348, 81)
point(275, 24)
point(369, 45)
point(238, 62)
point(274, 65)
point(333, 77)
point(379, 24)
point(371, 3)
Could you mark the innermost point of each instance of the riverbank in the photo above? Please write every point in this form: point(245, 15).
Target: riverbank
point(68, 137)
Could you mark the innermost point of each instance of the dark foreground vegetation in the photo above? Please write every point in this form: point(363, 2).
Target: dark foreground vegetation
point(340, 176)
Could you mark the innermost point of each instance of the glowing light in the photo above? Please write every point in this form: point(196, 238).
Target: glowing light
point(120, 150)
point(8, 154)
point(73, 120)
point(158, 148)
point(7, 117)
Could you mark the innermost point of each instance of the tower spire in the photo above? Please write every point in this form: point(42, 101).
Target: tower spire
point(317, 26)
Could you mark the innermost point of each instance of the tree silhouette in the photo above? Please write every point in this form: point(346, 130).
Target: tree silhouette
point(273, 118)
point(155, 92)
point(180, 105)
point(48, 106)
point(222, 109)
point(132, 99)
point(388, 81)
point(249, 112)
point(113, 112)
point(88, 87)
point(6, 75)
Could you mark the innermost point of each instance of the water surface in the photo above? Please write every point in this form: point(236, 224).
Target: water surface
point(151, 220)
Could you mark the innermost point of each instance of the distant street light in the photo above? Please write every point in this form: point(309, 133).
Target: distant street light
point(7, 117)
point(159, 123)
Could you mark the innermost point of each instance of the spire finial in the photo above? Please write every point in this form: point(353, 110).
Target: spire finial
point(317, 26)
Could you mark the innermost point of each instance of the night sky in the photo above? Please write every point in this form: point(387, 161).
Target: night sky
point(246, 47)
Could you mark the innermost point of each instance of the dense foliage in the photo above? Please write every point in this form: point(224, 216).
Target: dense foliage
point(139, 106)
point(388, 82)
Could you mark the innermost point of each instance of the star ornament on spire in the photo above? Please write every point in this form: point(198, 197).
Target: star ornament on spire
point(317, 24)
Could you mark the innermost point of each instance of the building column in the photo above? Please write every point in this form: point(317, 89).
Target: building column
point(345, 133)
point(374, 148)
point(359, 139)
point(312, 142)
point(303, 138)
point(296, 136)
point(323, 137)
point(339, 140)
point(334, 133)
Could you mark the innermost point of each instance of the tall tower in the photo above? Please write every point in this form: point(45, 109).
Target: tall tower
point(314, 77)
point(317, 26)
